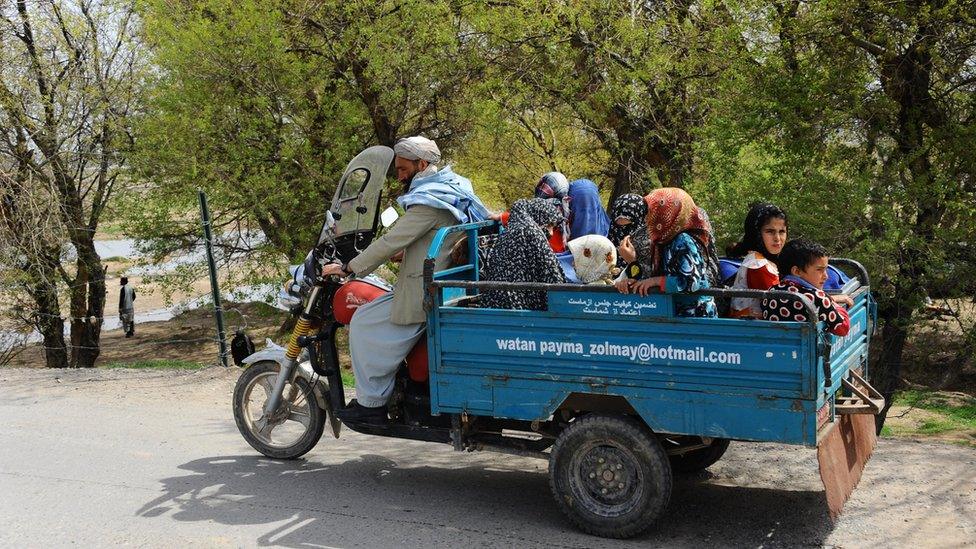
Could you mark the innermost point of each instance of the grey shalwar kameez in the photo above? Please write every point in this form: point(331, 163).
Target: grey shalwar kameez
point(384, 331)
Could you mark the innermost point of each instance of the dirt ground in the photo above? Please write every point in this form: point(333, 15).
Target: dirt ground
point(150, 295)
point(153, 459)
point(190, 336)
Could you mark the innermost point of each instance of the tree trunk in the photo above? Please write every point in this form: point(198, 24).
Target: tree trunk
point(87, 305)
point(49, 321)
point(632, 169)
point(906, 78)
point(55, 351)
point(887, 373)
point(623, 180)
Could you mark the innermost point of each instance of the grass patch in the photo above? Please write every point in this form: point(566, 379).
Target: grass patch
point(948, 417)
point(936, 426)
point(958, 411)
point(157, 364)
point(348, 380)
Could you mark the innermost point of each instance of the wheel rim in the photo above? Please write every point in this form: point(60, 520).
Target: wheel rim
point(286, 426)
point(608, 477)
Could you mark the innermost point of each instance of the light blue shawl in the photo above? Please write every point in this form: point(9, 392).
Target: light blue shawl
point(449, 191)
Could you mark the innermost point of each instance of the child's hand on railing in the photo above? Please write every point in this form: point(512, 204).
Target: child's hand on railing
point(639, 287)
point(843, 299)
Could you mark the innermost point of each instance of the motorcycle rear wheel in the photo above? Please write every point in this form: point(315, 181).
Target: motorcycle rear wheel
point(289, 433)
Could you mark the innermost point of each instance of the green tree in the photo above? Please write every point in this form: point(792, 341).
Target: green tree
point(261, 104)
point(69, 81)
point(509, 149)
point(859, 116)
point(633, 74)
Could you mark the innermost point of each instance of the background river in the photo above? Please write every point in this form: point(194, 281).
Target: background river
point(126, 248)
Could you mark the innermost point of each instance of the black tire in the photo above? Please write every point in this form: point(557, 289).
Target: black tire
point(311, 424)
point(610, 475)
point(699, 460)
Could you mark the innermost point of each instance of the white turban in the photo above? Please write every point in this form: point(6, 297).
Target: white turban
point(417, 148)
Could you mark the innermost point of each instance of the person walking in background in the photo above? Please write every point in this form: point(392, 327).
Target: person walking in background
point(127, 298)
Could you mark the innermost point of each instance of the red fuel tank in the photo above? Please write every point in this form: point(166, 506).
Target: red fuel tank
point(417, 361)
point(353, 295)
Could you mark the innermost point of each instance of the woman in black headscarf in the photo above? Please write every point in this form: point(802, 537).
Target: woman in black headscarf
point(522, 254)
point(626, 216)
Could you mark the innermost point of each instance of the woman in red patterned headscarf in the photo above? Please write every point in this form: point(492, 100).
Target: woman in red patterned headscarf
point(675, 252)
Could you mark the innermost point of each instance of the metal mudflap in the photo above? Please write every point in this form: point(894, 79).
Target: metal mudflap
point(846, 446)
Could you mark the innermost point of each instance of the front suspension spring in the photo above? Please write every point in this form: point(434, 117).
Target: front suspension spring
point(301, 329)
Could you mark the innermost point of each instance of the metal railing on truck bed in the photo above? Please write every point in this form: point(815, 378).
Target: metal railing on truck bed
point(715, 377)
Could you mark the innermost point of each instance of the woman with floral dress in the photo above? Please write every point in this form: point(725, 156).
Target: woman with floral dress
point(673, 252)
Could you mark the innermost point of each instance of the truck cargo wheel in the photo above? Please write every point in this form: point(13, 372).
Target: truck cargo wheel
point(610, 475)
point(702, 458)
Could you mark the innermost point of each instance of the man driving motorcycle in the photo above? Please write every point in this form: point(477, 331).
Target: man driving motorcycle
point(384, 331)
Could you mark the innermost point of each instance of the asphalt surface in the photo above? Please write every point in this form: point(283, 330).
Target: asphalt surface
point(149, 459)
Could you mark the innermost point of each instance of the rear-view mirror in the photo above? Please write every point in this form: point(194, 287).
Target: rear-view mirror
point(389, 217)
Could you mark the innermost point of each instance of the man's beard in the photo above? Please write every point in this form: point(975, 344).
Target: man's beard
point(405, 185)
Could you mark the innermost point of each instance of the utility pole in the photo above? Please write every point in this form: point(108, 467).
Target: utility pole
point(214, 289)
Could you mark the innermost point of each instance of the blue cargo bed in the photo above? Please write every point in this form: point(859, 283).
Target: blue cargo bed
point(712, 377)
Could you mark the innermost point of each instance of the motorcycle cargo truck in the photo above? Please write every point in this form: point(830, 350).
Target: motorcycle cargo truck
point(616, 392)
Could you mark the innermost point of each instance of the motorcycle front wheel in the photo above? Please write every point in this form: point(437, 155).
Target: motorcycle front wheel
point(293, 430)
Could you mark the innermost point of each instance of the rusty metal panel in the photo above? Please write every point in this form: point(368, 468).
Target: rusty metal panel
point(842, 455)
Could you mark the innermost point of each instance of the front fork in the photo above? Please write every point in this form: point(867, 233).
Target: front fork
point(288, 367)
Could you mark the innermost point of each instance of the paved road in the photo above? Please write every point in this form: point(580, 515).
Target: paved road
point(152, 459)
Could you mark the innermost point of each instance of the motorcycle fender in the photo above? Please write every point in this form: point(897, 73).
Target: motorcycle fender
point(276, 353)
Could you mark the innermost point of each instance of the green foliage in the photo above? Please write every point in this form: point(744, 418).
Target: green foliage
point(856, 117)
point(506, 154)
point(261, 104)
point(632, 77)
point(232, 114)
point(948, 416)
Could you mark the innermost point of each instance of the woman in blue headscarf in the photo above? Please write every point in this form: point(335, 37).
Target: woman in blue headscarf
point(586, 213)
